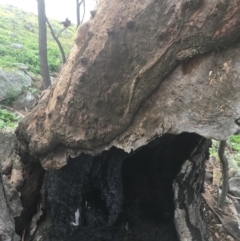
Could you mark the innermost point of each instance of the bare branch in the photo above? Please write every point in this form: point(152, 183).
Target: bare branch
point(61, 31)
point(57, 41)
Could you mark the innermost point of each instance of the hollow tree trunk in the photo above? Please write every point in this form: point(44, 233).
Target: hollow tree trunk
point(140, 73)
point(118, 196)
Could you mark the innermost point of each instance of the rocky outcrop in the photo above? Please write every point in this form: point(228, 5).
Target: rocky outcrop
point(12, 84)
point(21, 185)
point(7, 228)
point(10, 203)
point(234, 186)
point(24, 101)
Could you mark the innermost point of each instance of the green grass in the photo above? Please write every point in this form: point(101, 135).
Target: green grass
point(8, 119)
point(13, 29)
point(234, 142)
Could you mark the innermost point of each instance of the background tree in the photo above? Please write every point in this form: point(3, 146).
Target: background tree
point(78, 5)
point(66, 24)
point(42, 40)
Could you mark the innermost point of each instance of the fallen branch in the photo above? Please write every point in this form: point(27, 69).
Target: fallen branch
point(231, 196)
point(228, 223)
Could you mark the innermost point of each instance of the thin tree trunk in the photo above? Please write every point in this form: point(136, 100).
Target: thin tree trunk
point(79, 20)
point(224, 163)
point(42, 40)
point(78, 12)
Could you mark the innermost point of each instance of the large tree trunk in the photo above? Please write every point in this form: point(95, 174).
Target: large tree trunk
point(139, 70)
point(141, 74)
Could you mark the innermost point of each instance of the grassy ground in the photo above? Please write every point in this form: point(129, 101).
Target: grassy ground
point(8, 119)
point(14, 24)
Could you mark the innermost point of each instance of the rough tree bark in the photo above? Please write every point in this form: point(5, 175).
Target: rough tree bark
point(42, 41)
point(139, 70)
point(140, 73)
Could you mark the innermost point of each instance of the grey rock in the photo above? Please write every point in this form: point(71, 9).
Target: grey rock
point(12, 197)
point(17, 174)
point(24, 101)
point(208, 176)
point(10, 160)
point(29, 26)
point(13, 35)
point(12, 83)
point(233, 173)
point(234, 186)
point(22, 66)
point(16, 237)
point(17, 46)
point(7, 226)
point(237, 206)
point(7, 166)
point(8, 142)
point(10, 204)
point(232, 163)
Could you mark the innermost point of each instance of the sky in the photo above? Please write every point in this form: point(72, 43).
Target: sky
point(55, 9)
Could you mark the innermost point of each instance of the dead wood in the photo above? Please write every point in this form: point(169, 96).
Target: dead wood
point(137, 71)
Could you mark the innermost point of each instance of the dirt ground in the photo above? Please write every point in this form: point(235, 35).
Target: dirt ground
point(224, 224)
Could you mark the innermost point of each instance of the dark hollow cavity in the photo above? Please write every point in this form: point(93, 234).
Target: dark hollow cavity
point(118, 196)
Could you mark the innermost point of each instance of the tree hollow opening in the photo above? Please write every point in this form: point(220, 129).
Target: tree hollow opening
point(118, 196)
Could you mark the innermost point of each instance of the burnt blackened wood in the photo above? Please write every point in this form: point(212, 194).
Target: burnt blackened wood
point(188, 185)
point(118, 196)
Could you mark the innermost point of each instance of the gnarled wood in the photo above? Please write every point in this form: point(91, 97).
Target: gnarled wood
point(140, 69)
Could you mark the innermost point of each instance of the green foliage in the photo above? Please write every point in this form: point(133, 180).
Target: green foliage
point(11, 95)
point(237, 159)
point(32, 90)
point(14, 29)
point(234, 142)
point(8, 119)
point(214, 148)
